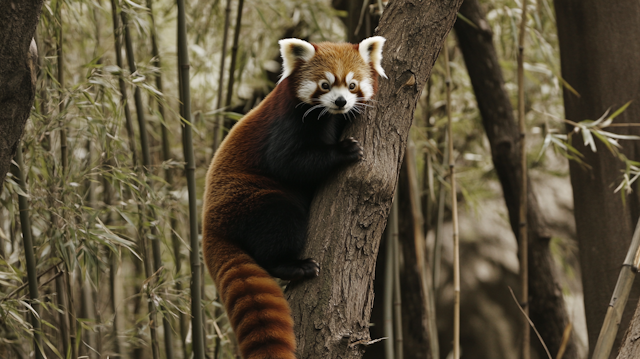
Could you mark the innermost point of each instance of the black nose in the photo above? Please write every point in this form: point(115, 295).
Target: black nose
point(340, 102)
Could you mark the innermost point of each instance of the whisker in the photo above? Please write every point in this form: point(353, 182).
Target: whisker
point(363, 104)
point(323, 112)
point(309, 110)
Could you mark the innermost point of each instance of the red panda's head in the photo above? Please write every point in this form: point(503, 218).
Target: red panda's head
point(335, 76)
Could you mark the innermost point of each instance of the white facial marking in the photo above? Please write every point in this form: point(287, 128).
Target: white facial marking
point(306, 90)
point(328, 100)
point(349, 77)
point(330, 77)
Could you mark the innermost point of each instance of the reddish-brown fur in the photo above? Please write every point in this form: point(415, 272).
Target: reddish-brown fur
point(255, 304)
point(238, 186)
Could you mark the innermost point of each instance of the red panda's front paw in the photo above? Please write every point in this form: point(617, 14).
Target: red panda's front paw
point(352, 149)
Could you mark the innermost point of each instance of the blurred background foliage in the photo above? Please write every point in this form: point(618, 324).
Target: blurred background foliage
point(88, 216)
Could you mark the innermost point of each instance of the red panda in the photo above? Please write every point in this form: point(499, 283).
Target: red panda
point(263, 177)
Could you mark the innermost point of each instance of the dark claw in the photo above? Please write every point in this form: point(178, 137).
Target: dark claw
point(297, 270)
point(351, 147)
point(310, 268)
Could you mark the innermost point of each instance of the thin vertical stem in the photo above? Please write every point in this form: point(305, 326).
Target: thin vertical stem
point(63, 318)
point(388, 294)
point(611, 323)
point(27, 237)
point(146, 167)
point(234, 54)
point(419, 245)
point(168, 336)
point(219, 124)
point(437, 245)
point(113, 260)
point(454, 212)
point(64, 158)
point(524, 242)
point(397, 298)
point(117, 33)
point(63, 131)
point(185, 99)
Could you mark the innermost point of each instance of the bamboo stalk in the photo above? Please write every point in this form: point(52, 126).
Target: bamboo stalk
point(619, 298)
point(113, 261)
point(234, 54)
point(63, 319)
point(146, 168)
point(117, 33)
point(397, 298)
point(428, 198)
point(454, 213)
point(388, 294)
point(185, 99)
point(219, 124)
point(524, 242)
point(176, 243)
point(168, 335)
point(437, 245)
point(71, 311)
point(64, 159)
point(86, 311)
point(63, 131)
point(27, 237)
point(419, 245)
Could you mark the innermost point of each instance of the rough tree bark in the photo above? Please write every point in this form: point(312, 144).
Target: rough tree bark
point(331, 312)
point(18, 21)
point(599, 59)
point(547, 308)
point(415, 331)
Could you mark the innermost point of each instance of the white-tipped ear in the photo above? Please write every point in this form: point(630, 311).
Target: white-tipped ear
point(371, 51)
point(291, 51)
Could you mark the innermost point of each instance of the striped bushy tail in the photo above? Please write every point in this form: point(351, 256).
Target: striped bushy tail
point(255, 304)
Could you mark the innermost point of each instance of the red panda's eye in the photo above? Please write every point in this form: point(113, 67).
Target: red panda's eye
point(325, 86)
point(352, 86)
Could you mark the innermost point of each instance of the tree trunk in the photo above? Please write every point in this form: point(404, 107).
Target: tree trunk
point(18, 21)
point(547, 308)
point(331, 312)
point(599, 58)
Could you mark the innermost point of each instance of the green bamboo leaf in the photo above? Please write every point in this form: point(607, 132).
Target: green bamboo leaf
point(604, 115)
point(605, 142)
point(233, 115)
point(137, 6)
point(618, 136)
point(566, 85)
point(588, 139)
point(558, 143)
point(545, 145)
point(620, 110)
point(469, 22)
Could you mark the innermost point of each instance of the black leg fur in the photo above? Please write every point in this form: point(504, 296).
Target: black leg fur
point(274, 234)
point(297, 270)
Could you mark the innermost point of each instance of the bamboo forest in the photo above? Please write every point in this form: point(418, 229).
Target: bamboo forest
point(479, 199)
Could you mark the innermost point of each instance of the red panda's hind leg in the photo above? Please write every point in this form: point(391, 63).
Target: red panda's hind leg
point(297, 270)
point(274, 233)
